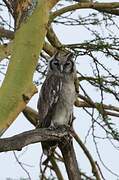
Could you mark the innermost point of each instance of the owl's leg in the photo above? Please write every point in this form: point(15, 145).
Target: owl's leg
point(59, 127)
point(62, 127)
point(52, 126)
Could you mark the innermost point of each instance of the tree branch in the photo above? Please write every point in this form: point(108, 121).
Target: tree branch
point(109, 11)
point(56, 168)
point(87, 104)
point(19, 141)
point(52, 38)
point(31, 115)
point(65, 147)
point(6, 33)
point(49, 49)
point(6, 49)
point(87, 153)
point(95, 5)
point(70, 161)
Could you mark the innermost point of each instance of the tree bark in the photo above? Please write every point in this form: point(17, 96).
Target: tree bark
point(70, 161)
point(17, 88)
point(19, 141)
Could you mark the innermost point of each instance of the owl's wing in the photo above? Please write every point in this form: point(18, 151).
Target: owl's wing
point(49, 95)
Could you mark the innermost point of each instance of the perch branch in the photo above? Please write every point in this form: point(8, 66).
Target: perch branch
point(19, 141)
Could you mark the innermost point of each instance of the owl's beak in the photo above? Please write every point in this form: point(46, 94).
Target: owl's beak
point(61, 68)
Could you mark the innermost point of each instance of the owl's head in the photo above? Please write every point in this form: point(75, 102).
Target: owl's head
point(62, 63)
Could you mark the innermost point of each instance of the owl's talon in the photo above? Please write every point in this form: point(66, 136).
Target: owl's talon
point(63, 127)
point(52, 127)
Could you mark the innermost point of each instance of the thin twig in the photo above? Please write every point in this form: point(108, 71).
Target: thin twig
point(87, 153)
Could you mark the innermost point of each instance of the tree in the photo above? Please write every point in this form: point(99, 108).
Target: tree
point(33, 21)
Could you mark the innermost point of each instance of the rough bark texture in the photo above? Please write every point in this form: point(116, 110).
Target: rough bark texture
point(70, 161)
point(19, 141)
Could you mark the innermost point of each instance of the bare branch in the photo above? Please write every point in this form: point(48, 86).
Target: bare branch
point(49, 49)
point(96, 6)
point(52, 38)
point(56, 168)
point(31, 115)
point(21, 165)
point(19, 141)
point(87, 153)
point(79, 103)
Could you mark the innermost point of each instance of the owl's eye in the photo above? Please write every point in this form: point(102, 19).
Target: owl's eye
point(67, 64)
point(56, 63)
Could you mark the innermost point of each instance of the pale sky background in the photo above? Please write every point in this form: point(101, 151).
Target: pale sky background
point(30, 155)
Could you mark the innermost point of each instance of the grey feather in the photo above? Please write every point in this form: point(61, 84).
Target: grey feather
point(57, 96)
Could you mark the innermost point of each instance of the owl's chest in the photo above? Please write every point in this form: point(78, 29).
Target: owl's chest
point(67, 93)
point(64, 106)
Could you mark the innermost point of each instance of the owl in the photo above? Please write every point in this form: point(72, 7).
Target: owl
point(57, 95)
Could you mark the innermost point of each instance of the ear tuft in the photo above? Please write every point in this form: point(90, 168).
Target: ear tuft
point(70, 55)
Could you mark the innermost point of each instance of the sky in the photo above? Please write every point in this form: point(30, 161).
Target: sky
point(30, 155)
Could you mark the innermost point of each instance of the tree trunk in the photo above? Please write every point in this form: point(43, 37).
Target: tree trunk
point(70, 161)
